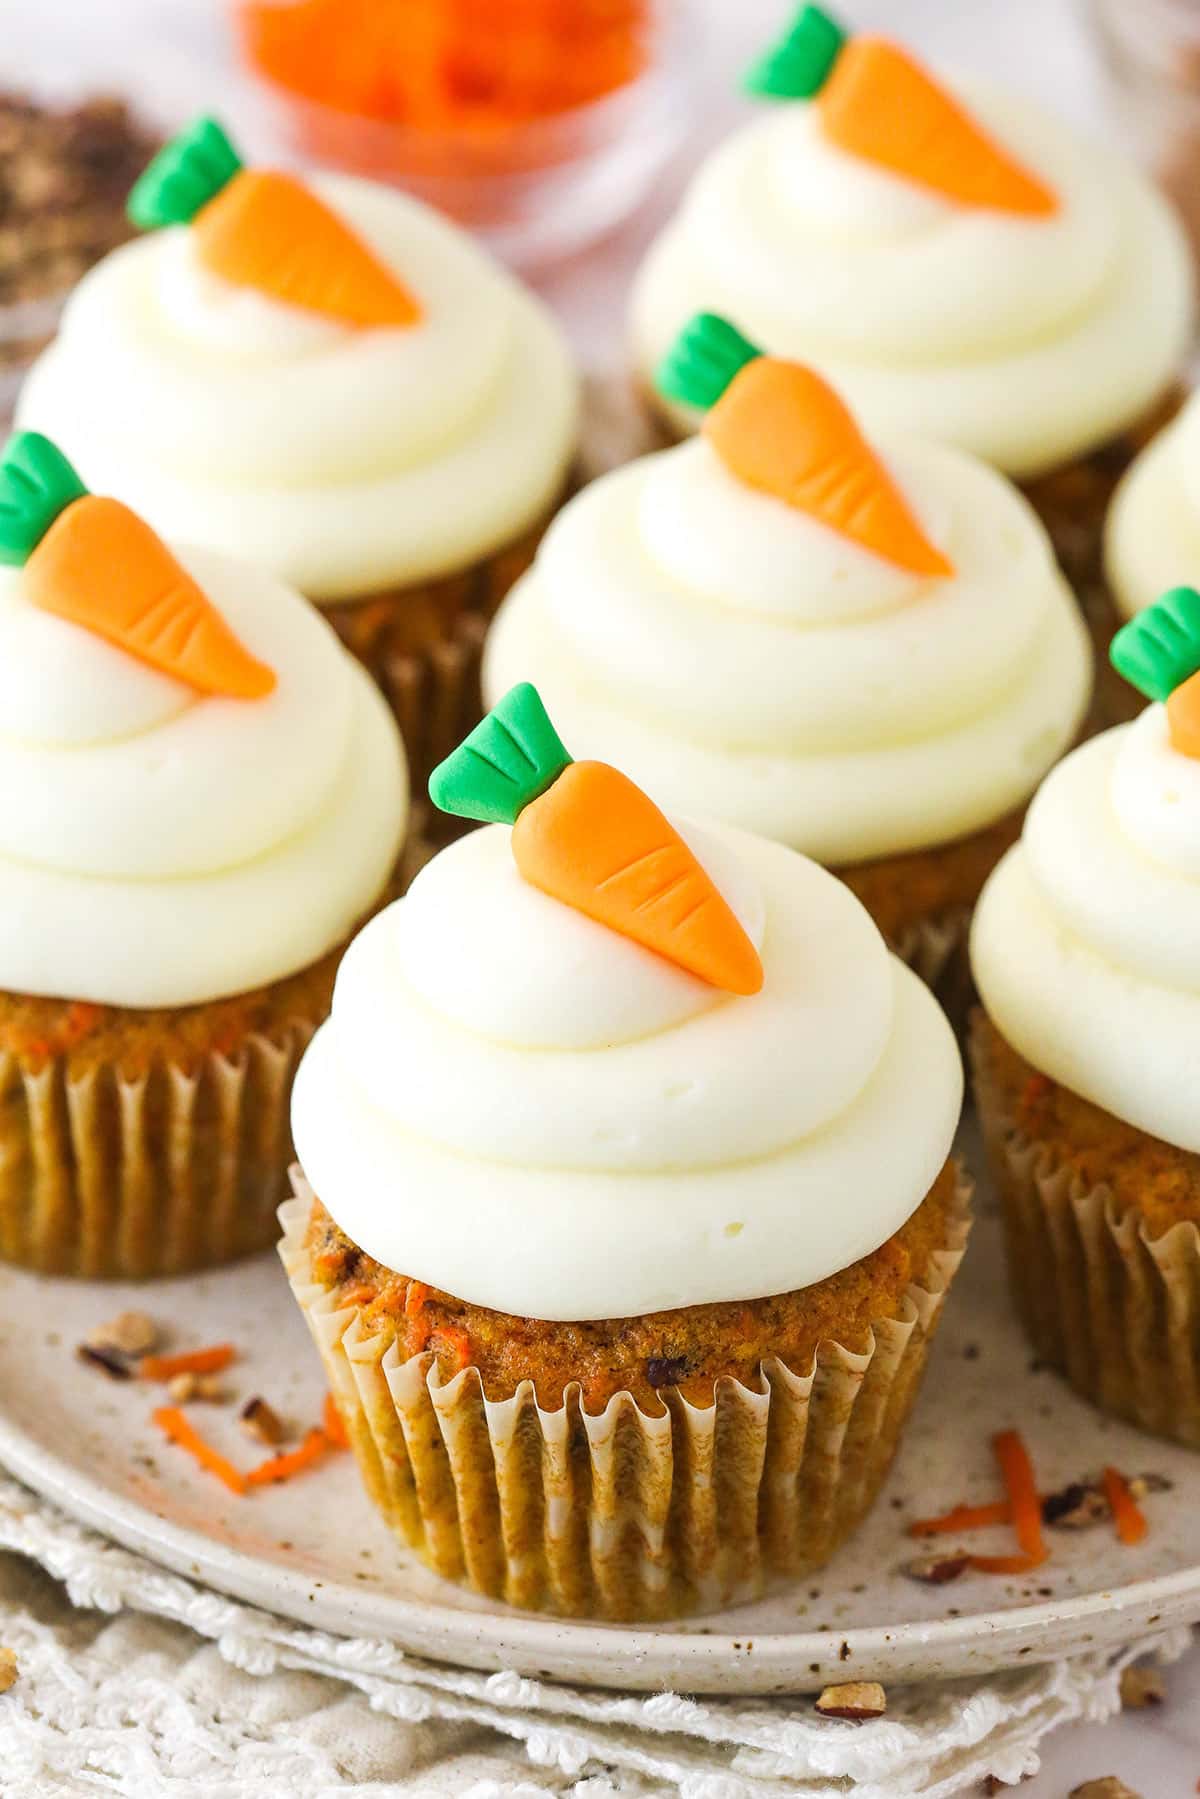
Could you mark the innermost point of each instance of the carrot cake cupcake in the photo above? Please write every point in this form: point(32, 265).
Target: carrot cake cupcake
point(1086, 950)
point(1152, 534)
point(326, 378)
point(627, 1208)
point(204, 794)
point(864, 650)
point(958, 262)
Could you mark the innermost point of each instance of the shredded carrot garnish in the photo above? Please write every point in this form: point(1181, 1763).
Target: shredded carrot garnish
point(1017, 1471)
point(194, 1361)
point(456, 1340)
point(963, 1517)
point(293, 1461)
point(1005, 1564)
point(333, 1424)
point(1128, 1515)
point(176, 1427)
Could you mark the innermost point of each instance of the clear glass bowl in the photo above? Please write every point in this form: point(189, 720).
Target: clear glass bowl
point(534, 190)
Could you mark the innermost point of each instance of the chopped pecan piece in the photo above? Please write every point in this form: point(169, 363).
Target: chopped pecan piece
point(1142, 1687)
point(258, 1420)
point(936, 1570)
point(1078, 1506)
point(1107, 1787)
point(8, 1669)
point(129, 1334)
point(109, 1361)
point(857, 1700)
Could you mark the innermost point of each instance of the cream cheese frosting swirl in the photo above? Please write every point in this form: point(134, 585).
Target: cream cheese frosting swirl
point(734, 653)
point(1086, 941)
point(1026, 340)
point(346, 460)
point(159, 847)
point(524, 1108)
point(1152, 533)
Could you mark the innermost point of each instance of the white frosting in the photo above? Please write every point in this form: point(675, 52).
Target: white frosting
point(1026, 340)
point(1086, 941)
point(733, 654)
point(345, 460)
point(159, 847)
point(526, 1109)
point(1152, 534)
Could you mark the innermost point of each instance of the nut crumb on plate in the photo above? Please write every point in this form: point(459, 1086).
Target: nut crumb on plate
point(258, 1419)
point(854, 1699)
point(1107, 1787)
point(1142, 1687)
point(8, 1669)
point(129, 1334)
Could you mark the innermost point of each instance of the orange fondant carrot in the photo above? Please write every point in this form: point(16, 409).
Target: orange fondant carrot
point(101, 566)
point(595, 841)
point(268, 231)
point(171, 1421)
point(192, 1361)
point(878, 103)
point(1183, 716)
point(781, 429)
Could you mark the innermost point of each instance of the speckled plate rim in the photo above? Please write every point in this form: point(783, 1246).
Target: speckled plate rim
point(644, 1659)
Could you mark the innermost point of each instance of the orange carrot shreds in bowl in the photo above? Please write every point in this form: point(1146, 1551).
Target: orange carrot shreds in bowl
point(98, 565)
point(780, 429)
point(586, 835)
point(875, 101)
point(267, 230)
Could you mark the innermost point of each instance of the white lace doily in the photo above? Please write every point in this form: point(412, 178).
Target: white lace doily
point(137, 1682)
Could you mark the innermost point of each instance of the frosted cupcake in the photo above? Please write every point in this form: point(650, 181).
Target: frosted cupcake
point(864, 650)
point(959, 263)
point(203, 796)
point(1152, 534)
point(325, 378)
point(634, 1212)
point(1086, 951)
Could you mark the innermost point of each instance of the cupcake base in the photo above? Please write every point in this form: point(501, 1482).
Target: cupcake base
point(1101, 1222)
point(922, 902)
point(646, 1487)
point(422, 645)
point(138, 1143)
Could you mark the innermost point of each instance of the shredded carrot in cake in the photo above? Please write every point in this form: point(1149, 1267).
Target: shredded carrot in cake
point(333, 1424)
point(1128, 1515)
point(176, 1427)
point(193, 1361)
point(292, 1461)
point(456, 1340)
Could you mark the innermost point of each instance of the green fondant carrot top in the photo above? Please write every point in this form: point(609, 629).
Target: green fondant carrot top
point(1158, 652)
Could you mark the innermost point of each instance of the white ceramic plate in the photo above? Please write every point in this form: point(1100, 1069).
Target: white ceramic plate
point(314, 1549)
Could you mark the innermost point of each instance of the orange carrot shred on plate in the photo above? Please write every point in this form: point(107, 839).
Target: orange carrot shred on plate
point(1016, 1469)
point(779, 428)
point(963, 1517)
point(1005, 1564)
point(292, 1461)
point(102, 567)
point(596, 842)
point(191, 1361)
point(175, 1426)
point(878, 103)
point(333, 1424)
point(1128, 1515)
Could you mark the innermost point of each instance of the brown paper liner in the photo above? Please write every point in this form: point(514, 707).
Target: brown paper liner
point(623, 1515)
point(1114, 1310)
point(422, 644)
point(170, 1157)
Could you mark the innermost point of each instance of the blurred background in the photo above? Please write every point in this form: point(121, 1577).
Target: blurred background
point(559, 130)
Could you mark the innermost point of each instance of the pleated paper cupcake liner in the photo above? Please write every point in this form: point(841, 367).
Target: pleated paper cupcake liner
point(115, 1175)
point(422, 645)
point(1113, 1309)
point(623, 1515)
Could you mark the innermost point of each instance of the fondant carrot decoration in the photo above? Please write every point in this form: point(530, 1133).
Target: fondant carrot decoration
point(267, 230)
point(877, 102)
point(1158, 652)
point(96, 563)
point(586, 835)
point(781, 429)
